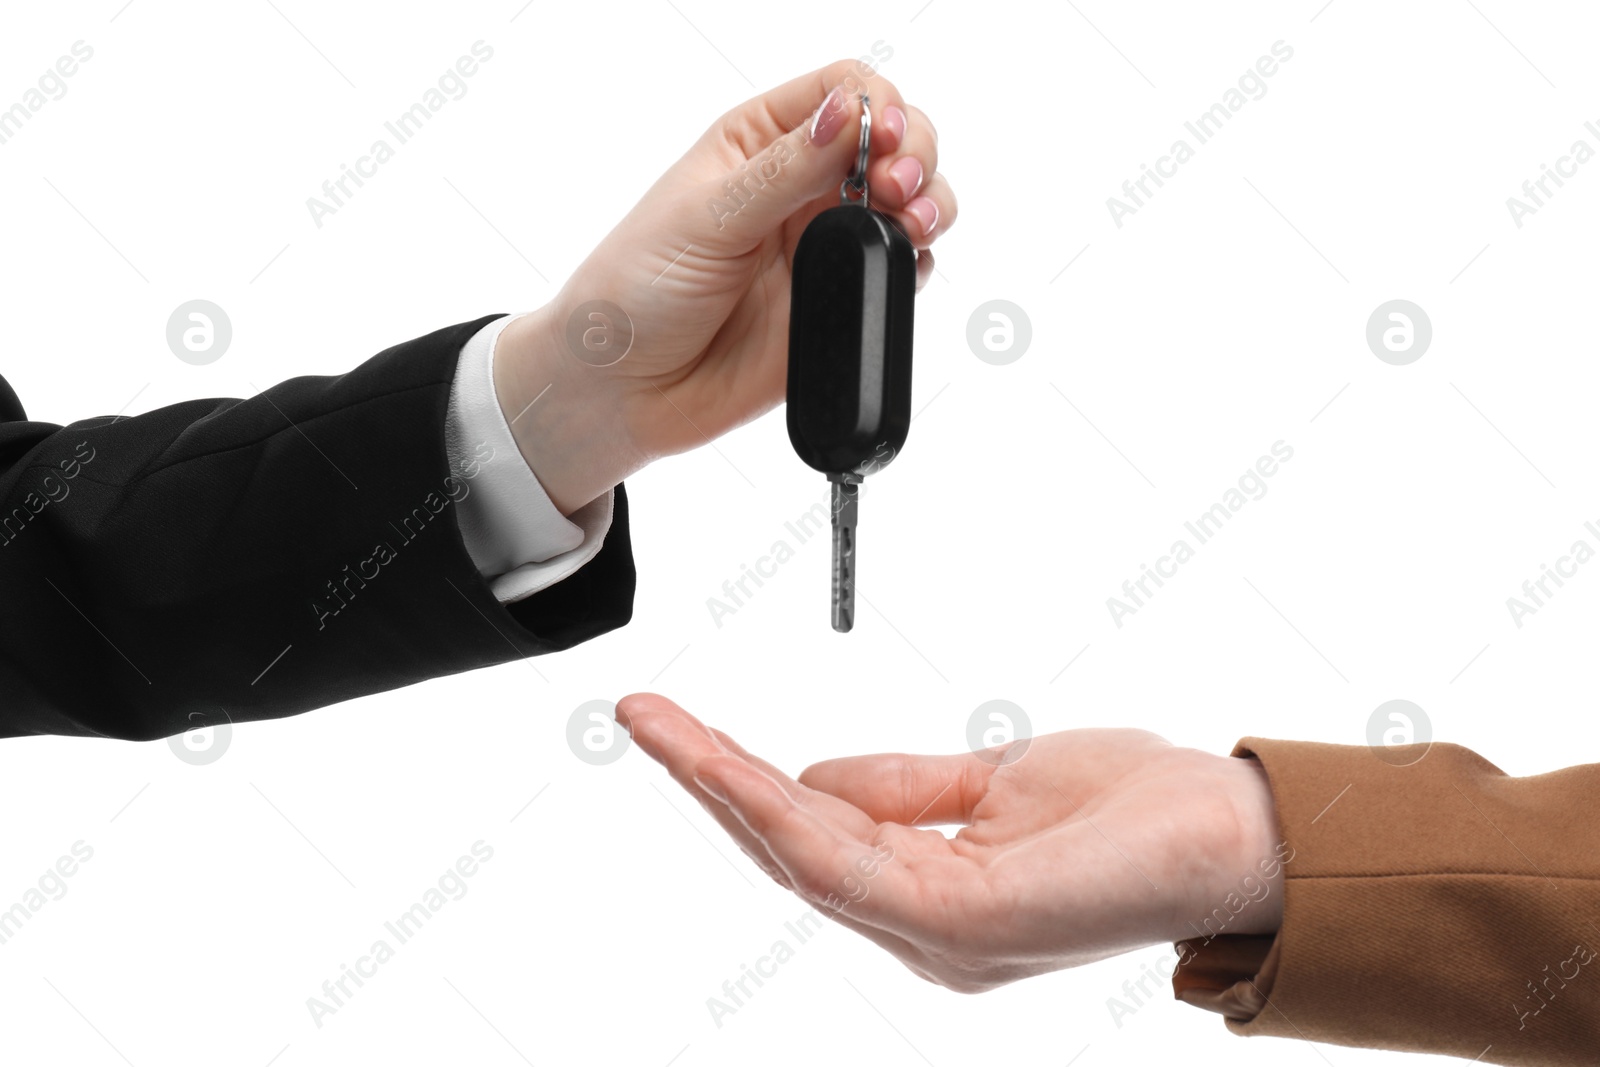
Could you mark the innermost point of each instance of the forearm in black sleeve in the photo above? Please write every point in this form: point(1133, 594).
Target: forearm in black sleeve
point(230, 560)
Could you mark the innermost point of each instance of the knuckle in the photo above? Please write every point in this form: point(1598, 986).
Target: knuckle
point(858, 76)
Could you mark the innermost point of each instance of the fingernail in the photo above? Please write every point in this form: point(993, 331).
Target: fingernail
point(712, 789)
point(895, 120)
point(926, 212)
point(907, 174)
point(829, 119)
point(624, 722)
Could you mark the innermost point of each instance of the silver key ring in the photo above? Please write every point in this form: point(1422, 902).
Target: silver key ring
point(858, 177)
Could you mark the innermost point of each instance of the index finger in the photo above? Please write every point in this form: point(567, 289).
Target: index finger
point(824, 864)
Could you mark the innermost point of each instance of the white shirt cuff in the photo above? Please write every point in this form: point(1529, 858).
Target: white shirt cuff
point(516, 537)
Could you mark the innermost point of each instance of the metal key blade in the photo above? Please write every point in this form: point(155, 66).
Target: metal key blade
point(844, 553)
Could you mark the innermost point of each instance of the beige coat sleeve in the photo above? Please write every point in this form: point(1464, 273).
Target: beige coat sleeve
point(1439, 907)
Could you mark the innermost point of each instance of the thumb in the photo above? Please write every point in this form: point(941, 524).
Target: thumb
point(790, 172)
point(910, 790)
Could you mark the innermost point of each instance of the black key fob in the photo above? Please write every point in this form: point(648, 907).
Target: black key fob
point(853, 282)
point(849, 394)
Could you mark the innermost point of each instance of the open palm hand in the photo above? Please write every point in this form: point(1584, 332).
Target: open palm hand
point(1087, 844)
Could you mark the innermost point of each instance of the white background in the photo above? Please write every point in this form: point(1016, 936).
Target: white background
point(1222, 317)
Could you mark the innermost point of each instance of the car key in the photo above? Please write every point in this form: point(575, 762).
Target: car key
point(849, 390)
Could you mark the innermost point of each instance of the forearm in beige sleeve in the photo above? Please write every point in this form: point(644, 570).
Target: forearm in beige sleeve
point(1438, 906)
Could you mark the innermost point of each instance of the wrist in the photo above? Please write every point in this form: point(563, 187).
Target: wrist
point(1231, 882)
point(1262, 849)
point(569, 417)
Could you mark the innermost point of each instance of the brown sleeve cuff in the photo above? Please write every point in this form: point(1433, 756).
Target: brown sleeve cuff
point(1228, 975)
point(1431, 904)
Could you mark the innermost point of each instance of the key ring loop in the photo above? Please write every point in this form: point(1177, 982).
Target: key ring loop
point(858, 177)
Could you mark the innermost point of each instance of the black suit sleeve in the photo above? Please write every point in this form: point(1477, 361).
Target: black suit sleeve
point(230, 560)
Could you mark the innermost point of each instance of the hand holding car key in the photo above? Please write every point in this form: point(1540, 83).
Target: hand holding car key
point(850, 323)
